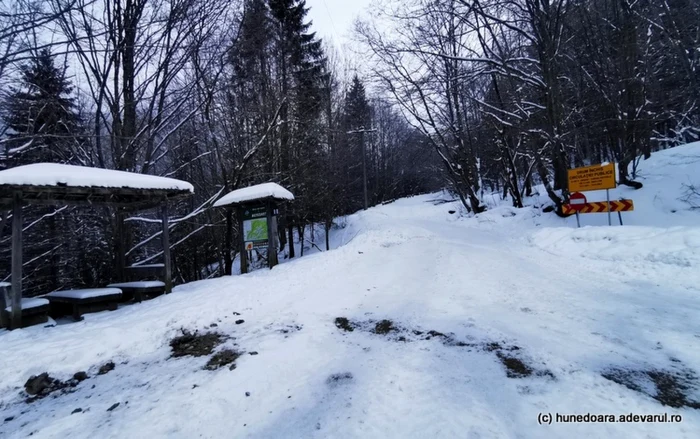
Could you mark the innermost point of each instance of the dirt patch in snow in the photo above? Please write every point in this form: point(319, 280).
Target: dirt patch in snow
point(395, 332)
point(344, 324)
point(195, 344)
point(513, 361)
point(288, 329)
point(42, 385)
point(338, 379)
point(384, 327)
point(226, 357)
point(515, 368)
point(285, 328)
point(200, 345)
point(670, 388)
point(509, 355)
point(106, 368)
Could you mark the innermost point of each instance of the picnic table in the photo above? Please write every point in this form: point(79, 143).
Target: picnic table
point(139, 290)
point(34, 311)
point(79, 302)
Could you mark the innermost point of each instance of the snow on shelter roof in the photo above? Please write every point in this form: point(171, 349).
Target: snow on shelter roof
point(57, 182)
point(257, 192)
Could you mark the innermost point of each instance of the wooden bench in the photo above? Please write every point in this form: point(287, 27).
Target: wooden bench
point(142, 282)
point(139, 290)
point(145, 272)
point(79, 302)
point(35, 311)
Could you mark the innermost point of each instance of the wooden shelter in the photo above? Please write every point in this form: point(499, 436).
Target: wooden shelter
point(256, 204)
point(56, 184)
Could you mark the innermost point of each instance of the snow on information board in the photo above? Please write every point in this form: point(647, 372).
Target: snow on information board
point(257, 192)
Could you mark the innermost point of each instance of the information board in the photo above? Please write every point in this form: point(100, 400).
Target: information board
point(255, 227)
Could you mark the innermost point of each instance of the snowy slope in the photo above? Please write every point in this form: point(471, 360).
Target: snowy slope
point(506, 292)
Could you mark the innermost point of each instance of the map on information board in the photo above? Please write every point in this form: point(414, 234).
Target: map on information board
point(255, 229)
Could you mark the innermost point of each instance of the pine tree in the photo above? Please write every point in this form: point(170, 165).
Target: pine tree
point(301, 68)
point(43, 127)
point(357, 122)
point(41, 115)
point(356, 105)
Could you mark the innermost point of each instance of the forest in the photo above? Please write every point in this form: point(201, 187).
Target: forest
point(481, 97)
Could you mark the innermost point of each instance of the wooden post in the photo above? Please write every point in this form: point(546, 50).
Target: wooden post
point(271, 235)
point(167, 268)
point(244, 252)
point(16, 318)
point(4, 303)
point(121, 248)
point(228, 243)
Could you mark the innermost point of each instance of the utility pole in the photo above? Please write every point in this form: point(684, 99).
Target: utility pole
point(362, 132)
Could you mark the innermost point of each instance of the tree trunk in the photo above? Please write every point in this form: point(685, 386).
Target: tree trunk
point(300, 230)
point(623, 166)
point(290, 229)
point(528, 186)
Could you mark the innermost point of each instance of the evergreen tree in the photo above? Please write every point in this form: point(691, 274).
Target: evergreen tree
point(41, 115)
point(44, 127)
point(357, 122)
point(356, 105)
point(301, 73)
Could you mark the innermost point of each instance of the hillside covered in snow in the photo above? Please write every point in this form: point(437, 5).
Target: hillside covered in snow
point(420, 323)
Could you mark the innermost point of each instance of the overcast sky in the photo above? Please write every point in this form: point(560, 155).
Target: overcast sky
point(333, 19)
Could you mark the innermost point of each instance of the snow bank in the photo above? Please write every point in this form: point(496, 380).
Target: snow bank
point(664, 256)
point(265, 190)
point(674, 246)
point(52, 174)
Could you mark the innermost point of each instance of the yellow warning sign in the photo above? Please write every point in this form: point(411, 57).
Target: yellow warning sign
point(592, 178)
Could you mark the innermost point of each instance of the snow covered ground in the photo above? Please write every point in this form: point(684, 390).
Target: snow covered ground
point(529, 315)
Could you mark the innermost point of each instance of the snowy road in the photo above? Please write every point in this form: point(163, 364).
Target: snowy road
point(533, 318)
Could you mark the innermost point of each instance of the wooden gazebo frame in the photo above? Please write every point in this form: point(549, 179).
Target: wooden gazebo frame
point(124, 199)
